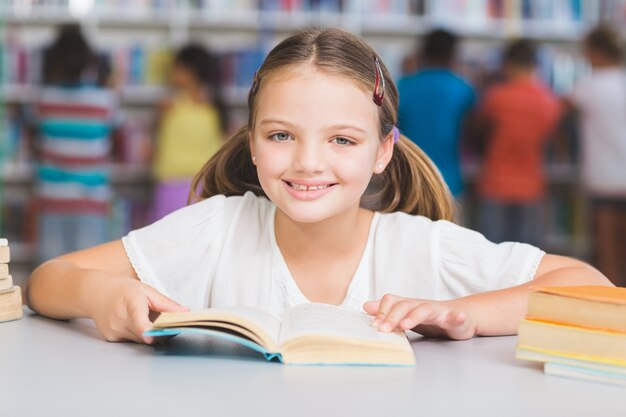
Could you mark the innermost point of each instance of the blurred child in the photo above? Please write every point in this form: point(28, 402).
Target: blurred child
point(190, 129)
point(601, 103)
point(434, 103)
point(520, 113)
point(74, 119)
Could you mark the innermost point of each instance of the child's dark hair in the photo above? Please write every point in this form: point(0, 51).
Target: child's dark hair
point(69, 57)
point(521, 53)
point(607, 41)
point(205, 67)
point(439, 47)
point(410, 183)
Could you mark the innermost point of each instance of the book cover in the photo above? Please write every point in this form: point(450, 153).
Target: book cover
point(586, 374)
point(572, 341)
point(598, 307)
point(569, 359)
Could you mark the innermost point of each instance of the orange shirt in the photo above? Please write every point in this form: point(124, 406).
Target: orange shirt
point(522, 114)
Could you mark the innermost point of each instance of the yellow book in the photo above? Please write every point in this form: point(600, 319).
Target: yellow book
point(309, 333)
point(572, 341)
point(11, 304)
point(569, 360)
point(588, 306)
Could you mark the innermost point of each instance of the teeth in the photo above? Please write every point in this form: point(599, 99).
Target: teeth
point(301, 187)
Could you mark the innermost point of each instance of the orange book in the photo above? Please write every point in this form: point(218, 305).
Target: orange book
point(596, 307)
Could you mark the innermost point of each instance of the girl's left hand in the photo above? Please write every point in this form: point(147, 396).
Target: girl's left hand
point(426, 317)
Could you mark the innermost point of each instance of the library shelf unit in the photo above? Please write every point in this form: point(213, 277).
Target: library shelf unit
point(245, 30)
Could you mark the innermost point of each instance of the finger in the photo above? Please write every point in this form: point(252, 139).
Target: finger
point(130, 336)
point(161, 303)
point(139, 323)
point(422, 314)
point(386, 303)
point(371, 307)
point(396, 314)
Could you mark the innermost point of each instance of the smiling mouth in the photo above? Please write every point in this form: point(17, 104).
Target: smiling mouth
point(301, 187)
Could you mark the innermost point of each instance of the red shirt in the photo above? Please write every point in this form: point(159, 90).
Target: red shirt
point(522, 114)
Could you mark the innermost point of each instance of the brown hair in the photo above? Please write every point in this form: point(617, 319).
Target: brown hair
point(607, 41)
point(410, 183)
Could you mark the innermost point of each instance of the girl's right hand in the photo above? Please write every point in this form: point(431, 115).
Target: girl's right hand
point(121, 308)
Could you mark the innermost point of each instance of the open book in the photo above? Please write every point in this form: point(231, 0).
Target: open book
point(308, 334)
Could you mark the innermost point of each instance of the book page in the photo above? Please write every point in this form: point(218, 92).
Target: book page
point(313, 319)
point(259, 322)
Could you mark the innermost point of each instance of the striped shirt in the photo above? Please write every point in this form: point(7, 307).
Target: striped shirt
point(74, 144)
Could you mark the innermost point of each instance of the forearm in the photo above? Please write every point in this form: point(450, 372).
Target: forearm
point(61, 290)
point(499, 312)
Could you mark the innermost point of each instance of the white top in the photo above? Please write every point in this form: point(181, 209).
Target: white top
point(601, 98)
point(222, 252)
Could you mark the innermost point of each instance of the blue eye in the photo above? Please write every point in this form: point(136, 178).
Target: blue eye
point(342, 141)
point(280, 137)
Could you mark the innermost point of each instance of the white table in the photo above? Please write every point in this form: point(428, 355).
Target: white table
point(53, 368)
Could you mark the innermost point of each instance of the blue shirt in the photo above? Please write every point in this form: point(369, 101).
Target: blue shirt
point(433, 105)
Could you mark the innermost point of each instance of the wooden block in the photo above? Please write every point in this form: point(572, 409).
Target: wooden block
point(5, 255)
point(11, 304)
point(4, 270)
point(6, 284)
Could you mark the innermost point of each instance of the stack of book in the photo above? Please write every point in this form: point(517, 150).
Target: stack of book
point(10, 295)
point(577, 332)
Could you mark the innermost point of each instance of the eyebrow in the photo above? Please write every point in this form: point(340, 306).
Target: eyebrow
point(333, 127)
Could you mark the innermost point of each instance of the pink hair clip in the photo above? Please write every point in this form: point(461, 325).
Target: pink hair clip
point(379, 86)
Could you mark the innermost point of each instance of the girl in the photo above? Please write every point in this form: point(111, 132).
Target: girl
point(76, 119)
point(318, 199)
point(190, 128)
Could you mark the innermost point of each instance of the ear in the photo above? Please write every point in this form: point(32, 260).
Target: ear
point(385, 152)
point(251, 144)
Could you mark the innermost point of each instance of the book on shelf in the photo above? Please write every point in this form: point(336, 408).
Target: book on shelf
point(576, 331)
point(310, 333)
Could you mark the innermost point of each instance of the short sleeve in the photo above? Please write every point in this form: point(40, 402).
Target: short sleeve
point(469, 263)
point(172, 254)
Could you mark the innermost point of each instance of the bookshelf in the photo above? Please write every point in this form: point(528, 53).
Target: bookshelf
point(137, 35)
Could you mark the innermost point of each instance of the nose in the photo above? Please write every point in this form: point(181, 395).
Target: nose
point(308, 157)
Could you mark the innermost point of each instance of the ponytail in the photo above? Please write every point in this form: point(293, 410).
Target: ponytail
point(229, 172)
point(411, 184)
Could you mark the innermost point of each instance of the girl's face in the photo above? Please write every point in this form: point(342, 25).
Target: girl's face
point(316, 144)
